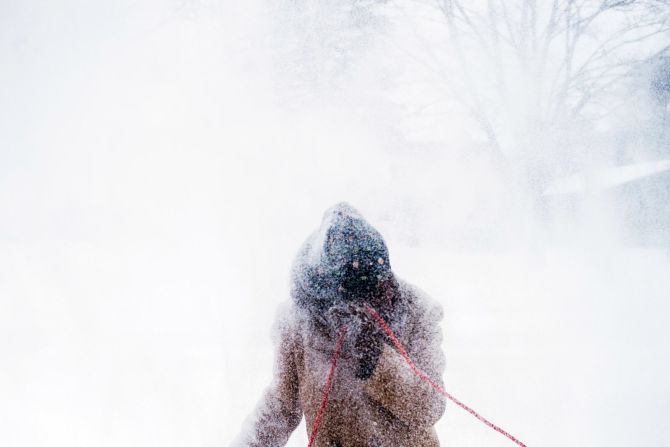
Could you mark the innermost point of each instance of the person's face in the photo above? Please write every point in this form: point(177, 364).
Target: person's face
point(357, 258)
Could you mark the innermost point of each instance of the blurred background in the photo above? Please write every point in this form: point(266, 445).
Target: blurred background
point(162, 161)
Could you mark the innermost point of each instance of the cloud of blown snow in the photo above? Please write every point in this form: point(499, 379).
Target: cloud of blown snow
point(160, 164)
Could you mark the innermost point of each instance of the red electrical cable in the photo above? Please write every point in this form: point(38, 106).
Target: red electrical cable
point(326, 389)
point(423, 376)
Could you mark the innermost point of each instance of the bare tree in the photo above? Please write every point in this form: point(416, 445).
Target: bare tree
point(530, 71)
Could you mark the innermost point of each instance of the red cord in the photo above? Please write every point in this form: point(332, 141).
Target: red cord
point(423, 376)
point(326, 389)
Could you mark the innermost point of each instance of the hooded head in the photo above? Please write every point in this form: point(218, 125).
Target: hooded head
point(345, 260)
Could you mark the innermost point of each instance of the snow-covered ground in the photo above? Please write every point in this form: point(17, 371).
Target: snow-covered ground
point(146, 344)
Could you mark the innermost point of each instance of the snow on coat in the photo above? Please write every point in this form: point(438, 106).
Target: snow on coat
point(375, 399)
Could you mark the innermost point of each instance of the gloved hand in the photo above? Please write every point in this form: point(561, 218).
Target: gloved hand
point(367, 339)
point(368, 345)
point(364, 337)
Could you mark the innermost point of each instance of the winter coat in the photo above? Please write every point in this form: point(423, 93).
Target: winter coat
point(393, 407)
point(375, 399)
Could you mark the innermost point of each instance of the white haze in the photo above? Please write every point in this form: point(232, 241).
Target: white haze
point(160, 164)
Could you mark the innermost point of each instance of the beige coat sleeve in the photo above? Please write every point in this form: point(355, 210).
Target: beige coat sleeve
point(279, 412)
point(397, 388)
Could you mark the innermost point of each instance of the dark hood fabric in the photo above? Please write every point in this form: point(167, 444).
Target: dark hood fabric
point(345, 261)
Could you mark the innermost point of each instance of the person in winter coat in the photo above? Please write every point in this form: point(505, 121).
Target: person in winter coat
point(375, 398)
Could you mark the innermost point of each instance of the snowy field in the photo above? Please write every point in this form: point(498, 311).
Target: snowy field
point(141, 344)
point(153, 193)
